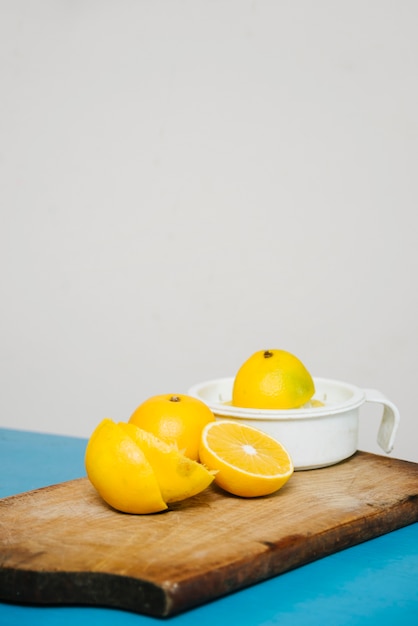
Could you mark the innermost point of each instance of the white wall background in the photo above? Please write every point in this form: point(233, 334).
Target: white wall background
point(183, 182)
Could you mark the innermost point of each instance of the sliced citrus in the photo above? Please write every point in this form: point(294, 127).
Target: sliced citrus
point(135, 472)
point(175, 418)
point(120, 472)
point(247, 461)
point(178, 476)
point(272, 379)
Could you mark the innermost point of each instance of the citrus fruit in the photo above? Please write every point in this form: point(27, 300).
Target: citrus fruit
point(120, 472)
point(178, 476)
point(247, 461)
point(272, 379)
point(175, 418)
point(135, 472)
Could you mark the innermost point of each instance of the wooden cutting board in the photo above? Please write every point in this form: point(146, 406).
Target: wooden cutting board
point(64, 545)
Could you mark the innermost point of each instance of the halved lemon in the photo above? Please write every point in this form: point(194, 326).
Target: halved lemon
point(247, 461)
point(136, 472)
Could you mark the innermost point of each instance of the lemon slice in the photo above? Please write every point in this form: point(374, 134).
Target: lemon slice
point(136, 472)
point(247, 461)
point(118, 469)
point(178, 476)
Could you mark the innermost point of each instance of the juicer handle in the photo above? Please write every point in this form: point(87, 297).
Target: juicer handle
point(390, 419)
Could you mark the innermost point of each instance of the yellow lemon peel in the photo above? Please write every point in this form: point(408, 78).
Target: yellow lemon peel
point(136, 472)
point(272, 379)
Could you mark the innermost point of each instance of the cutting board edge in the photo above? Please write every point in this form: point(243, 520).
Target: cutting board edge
point(31, 492)
point(83, 589)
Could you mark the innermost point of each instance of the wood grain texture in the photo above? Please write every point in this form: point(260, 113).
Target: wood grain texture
point(64, 545)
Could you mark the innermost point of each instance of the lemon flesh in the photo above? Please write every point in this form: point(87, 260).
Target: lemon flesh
point(248, 462)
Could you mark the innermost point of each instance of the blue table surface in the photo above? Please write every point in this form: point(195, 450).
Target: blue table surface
point(372, 583)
